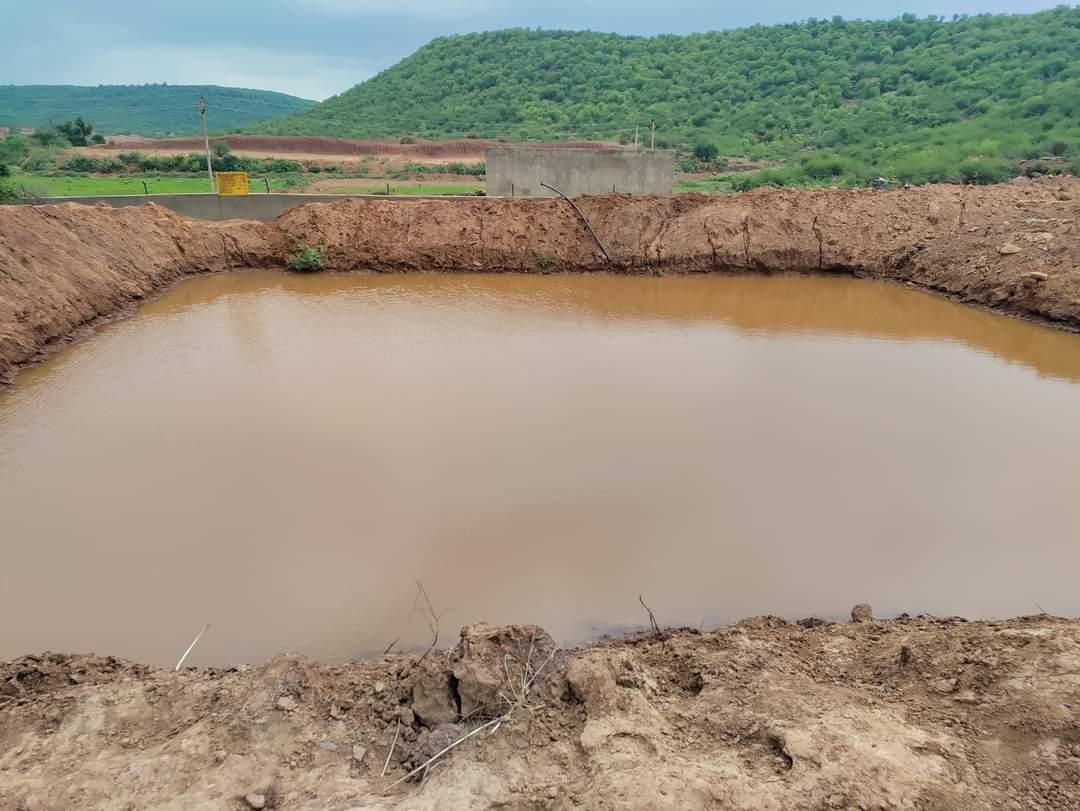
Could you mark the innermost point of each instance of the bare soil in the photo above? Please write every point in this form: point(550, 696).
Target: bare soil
point(1014, 248)
point(909, 713)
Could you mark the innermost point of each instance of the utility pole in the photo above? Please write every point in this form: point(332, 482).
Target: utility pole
point(206, 140)
point(651, 147)
point(637, 133)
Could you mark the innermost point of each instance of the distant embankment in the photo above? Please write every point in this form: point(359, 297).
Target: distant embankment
point(1012, 247)
point(316, 145)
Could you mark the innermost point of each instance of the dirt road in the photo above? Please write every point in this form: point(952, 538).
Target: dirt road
point(909, 713)
point(1014, 247)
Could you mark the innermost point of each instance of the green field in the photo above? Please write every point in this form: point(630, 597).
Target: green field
point(46, 186)
point(427, 188)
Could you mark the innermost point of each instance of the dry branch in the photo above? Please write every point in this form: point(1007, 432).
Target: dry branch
point(191, 647)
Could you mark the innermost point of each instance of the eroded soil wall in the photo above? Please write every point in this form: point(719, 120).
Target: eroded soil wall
point(1013, 247)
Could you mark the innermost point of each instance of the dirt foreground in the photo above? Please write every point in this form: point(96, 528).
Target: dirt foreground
point(1013, 247)
point(908, 713)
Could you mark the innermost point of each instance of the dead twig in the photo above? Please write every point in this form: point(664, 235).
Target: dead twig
point(652, 618)
point(431, 618)
point(444, 750)
point(390, 647)
point(191, 647)
point(528, 678)
point(390, 754)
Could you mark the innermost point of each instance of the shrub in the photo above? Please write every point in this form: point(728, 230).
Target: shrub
point(308, 259)
point(79, 163)
point(981, 171)
point(407, 139)
point(10, 193)
point(545, 261)
point(1040, 168)
point(220, 149)
point(705, 151)
point(1060, 148)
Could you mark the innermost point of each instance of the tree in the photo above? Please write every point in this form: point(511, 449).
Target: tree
point(78, 132)
point(220, 149)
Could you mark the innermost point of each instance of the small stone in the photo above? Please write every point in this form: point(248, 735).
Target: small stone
point(1009, 248)
point(220, 755)
point(862, 613)
point(10, 688)
point(1036, 276)
point(380, 687)
point(359, 753)
point(406, 716)
point(75, 678)
point(966, 697)
point(286, 703)
point(945, 686)
point(256, 801)
point(337, 713)
point(328, 746)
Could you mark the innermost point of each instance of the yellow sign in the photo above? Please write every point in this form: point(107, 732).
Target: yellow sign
point(232, 184)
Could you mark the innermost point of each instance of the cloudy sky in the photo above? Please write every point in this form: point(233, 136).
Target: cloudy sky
point(317, 48)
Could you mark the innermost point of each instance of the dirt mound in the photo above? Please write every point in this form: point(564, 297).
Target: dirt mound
point(907, 713)
point(68, 266)
point(1013, 247)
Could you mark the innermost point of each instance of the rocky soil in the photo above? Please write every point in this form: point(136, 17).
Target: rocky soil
point(919, 713)
point(1013, 247)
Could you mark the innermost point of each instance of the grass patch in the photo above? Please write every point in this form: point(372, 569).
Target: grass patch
point(48, 186)
point(308, 259)
point(707, 186)
point(425, 189)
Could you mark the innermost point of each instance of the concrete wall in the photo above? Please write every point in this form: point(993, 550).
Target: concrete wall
point(518, 172)
point(261, 207)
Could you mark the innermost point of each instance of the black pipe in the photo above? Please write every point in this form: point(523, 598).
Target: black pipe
point(584, 219)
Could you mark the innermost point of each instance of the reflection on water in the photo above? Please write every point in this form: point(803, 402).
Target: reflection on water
point(283, 456)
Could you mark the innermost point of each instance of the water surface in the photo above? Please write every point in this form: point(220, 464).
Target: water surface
point(284, 456)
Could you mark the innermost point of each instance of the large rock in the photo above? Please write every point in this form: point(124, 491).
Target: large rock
point(433, 700)
point(497, 666)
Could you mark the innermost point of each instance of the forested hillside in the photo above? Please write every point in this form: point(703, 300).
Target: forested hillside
point(919, 99)
point(149, 109)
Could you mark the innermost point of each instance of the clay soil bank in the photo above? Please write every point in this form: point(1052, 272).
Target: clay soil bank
point(910, 713)
point(1014, 247)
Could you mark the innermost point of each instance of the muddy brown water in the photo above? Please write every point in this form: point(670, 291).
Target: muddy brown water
point(284, 456)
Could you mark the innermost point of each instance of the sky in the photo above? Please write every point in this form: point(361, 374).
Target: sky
point(318, 48)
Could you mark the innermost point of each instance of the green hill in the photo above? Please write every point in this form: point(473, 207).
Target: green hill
point(148, 109)
point(919, 99)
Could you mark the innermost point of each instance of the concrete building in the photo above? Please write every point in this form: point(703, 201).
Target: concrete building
point(519, 171)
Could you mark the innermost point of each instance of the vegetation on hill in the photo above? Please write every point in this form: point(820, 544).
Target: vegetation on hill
point(149, 109)
point(912, 99)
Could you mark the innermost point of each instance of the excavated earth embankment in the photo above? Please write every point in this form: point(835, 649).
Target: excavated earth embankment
point(917, 713)
point(1013, 247)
